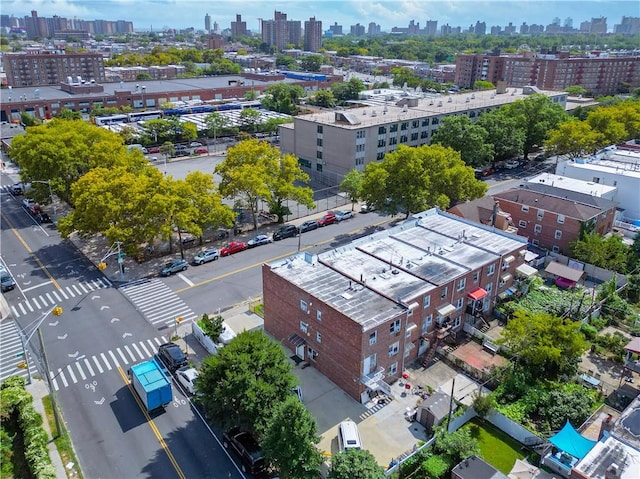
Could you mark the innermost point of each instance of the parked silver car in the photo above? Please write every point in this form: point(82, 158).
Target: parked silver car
point(205, 256)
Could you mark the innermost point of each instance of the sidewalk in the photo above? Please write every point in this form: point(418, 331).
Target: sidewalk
point(38, 389)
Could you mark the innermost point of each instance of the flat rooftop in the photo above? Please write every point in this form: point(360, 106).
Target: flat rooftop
point(611, 160)
point(375, 278)
point(382, 109)
point(579, 186)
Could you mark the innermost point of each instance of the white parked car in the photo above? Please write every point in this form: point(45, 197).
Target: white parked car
point(511, 164)
point(344, 215)
point(227, 334)
point(187, 378)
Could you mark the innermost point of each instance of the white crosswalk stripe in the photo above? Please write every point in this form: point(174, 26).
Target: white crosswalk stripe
point(84, 370)
point(157, 302)
point(47, 299)
point(11, 354)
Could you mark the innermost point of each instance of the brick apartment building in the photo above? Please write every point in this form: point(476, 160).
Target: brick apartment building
point(598, 74)
point(554, 222)
point(51, 68)
point(362, 312)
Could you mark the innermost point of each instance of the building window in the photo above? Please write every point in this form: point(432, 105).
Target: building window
point(303, 306)
point(476, 277)
point(360, 134)
point(394, 348)
point(522, 224)
point(443, 293)
point(319, 141)
point(404, 138)
point(491, 269)
point(393, 369)
point(556, 249)
point(319, 315)
point(409, 313)
point(304, 327)
point(456, 323)
point(318, 167)
point(525, 209)
point(426, 323)
point(560, 219)
point(382, 130)
point(415, 123)
point(558, 234)
point(537, 229)
point(318, 337)
point(404, 126)
point(535, 242)
point(373, 338)
point(393, 128)
point(459, 304)
point(394, 327)
point(426, 301)
point(319, 129)
point(540, 215)
point(462, 283)
point(312, 353)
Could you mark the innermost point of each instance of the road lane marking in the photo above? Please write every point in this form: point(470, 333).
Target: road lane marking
point(98, 365)
point(113, 356)
point(133, 358)
point(84, 377)
point(56, 295)
point(88, 365)
point(124, 359)
point(50, 298)
point(104, 358)
point(146, 351)
point(152, 425)
point(73, 376)
point(185, 279)
point(36, 286)
point(26, 246)
point(135, 346)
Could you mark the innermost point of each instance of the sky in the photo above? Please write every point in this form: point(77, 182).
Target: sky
point(159, 14)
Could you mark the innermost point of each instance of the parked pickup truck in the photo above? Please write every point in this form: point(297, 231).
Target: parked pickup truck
point(151, 384)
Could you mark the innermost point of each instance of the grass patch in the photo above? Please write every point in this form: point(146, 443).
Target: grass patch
point(63, 443)
point(259, 310)
point(496, 447)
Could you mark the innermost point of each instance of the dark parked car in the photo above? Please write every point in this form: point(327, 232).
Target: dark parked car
point(206, 256)
point(174, 266)
point(6, 279)
point(308, 226)
point(18, 189)
point(247, 448)
point(286, 231)
point(259, 241)
point(327, 219)
point(43, 218)
point(172, 356)
point(233, 247)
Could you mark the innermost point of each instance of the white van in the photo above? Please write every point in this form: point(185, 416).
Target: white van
point(348, 436)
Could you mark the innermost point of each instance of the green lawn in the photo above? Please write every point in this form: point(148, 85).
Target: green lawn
point(497, 448)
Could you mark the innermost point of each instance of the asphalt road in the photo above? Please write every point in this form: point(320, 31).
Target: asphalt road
point(89, 348)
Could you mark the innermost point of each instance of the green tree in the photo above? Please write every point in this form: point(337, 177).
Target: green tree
point(311, 63)
point(504, 133)
point(414, 179)
point(355, 464)
point(456, 445)
point(143, 76)
point(606, 123)
point(569, 402)
point(290, 439)
point(283, 98)
point(167, 150)
point(323, 98)
point(210, 212)
point(216, 124)
point(575, 90)
point(546, 345)
point(435, 466)
point(483, 85)
point(352, 186)
point(66, 114)
point(347, 90)
point(249, 118)
point(62, 151)
point(211, 326)
point(245, 381)
point(29, 120)
point(573, 138)
point(609, 253)
point(538, 115)
point(284, 180)
point(470, 139)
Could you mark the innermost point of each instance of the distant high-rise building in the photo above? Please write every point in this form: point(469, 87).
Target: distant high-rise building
point(32, 69)
point(335, 28)
point(556, 21)
point(524, 28)
point(357, 30)
point(510, 29)
point(373, 29)
point(312, 35)
point(280, 32)
point(238, 28)
point(496, 30)
point(628, 26)
point(216, 28)
point(568, 23)
point(480, 28)
point(207, 23)
point(431, 28)
point(598, 25)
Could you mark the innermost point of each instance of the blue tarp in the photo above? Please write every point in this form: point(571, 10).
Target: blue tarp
point(570, 441)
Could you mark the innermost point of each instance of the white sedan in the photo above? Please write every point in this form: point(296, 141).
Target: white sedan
point(511, 164)
point(187, 377)
point(344, 215)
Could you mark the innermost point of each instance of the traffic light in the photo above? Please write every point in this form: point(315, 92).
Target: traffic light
point(102, 265)
point(57, 311)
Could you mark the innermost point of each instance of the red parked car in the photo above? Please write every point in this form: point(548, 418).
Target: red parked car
point(154, 149)
point(200, 151)
point(233, 247)
point(327, 219)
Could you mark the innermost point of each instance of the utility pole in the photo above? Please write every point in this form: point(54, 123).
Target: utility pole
point(52, 391)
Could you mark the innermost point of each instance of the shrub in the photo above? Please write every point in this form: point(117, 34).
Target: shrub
point(436, 466)
point(590, 332)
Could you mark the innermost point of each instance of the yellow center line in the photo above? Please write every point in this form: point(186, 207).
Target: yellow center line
point(231, 273)
point(152, 425)
point(30, 251)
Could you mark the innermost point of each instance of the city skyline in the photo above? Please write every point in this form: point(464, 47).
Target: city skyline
point(157, 15)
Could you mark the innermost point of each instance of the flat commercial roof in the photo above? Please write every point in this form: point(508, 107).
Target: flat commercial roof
point(572, 184)
point(375, 278)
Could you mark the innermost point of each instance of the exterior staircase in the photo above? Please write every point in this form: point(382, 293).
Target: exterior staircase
point(431, 353)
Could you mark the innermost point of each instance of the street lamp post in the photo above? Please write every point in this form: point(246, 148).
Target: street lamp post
point(53, 203)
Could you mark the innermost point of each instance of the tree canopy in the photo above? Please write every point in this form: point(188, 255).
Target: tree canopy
point(352, 186)
point(290, 441)
point(546, 345)
point(414, 179)
point(460, 133)
point(355, 464)
point(283, 98)
point(244, 382)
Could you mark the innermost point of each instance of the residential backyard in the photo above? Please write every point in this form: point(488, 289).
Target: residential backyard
point(497, 448)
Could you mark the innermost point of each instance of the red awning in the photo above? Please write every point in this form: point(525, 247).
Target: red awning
point(477, 294)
